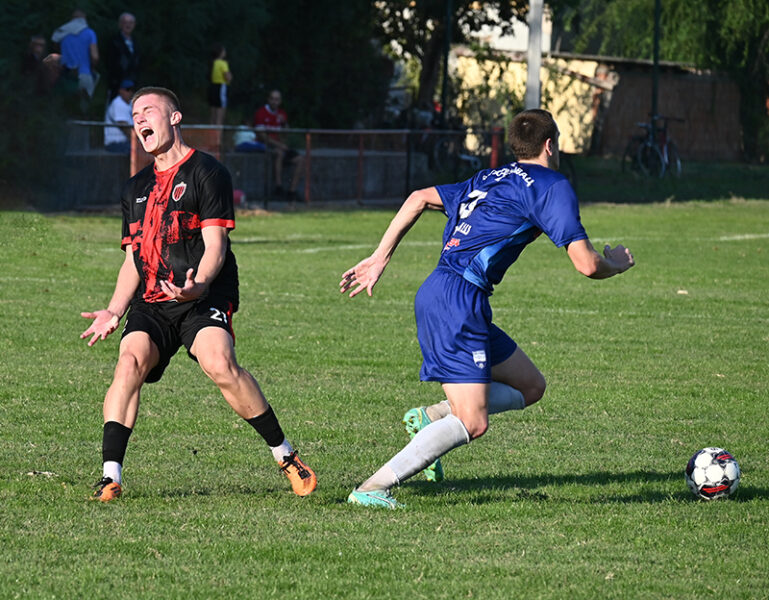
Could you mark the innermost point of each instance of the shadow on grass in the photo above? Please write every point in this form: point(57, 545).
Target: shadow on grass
point(602, 180)
point(198, 492)
point(528, 488)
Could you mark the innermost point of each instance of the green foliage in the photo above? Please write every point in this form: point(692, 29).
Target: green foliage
point(319, 53)
point(493, 101)
point(580, 496)
point(417, 30)
point(728, 36)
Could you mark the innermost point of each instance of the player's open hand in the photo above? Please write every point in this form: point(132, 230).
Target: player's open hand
point(104, 323)
point(362, 276)
point(190, 291)
point(619, 256)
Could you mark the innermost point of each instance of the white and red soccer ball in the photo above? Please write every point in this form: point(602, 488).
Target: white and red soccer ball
point(712, 473)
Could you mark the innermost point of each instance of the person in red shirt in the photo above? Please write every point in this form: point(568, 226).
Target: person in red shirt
point(180, 281)
point(268, 119)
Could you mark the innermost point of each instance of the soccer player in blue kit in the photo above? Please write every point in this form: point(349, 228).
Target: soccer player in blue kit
point(492, 217)
point(179, 287)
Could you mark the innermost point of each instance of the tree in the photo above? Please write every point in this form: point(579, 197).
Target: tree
point(729, 36)
point(417, 29)
point(318, 52)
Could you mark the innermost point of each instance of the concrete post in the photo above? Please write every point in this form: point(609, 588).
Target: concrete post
point(534, 60)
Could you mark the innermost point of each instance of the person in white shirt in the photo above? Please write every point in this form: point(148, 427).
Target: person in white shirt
point(119, 112)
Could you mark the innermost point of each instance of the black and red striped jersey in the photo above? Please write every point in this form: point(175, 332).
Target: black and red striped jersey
point(164, 213)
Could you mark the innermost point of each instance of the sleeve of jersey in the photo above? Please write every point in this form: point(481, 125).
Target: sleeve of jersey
point(559, 214)
point(216, 204)
point(450, 196)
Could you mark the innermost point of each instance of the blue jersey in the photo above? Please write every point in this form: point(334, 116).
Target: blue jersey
point(76, 50)
point(496, 213)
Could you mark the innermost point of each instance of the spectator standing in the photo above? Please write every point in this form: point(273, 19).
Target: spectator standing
point(41, 70)
point(79, 55)
point(122, 55)
point(119, 113)
point(220, 77)
point(267, 119)
point(33, 57)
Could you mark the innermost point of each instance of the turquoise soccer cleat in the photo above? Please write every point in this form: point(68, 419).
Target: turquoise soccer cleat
point(415, 420)
point(376, 498)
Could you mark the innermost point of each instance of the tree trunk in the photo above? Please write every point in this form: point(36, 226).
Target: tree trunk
point(431, 68)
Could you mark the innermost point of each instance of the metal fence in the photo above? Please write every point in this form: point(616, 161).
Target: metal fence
point(334, 165)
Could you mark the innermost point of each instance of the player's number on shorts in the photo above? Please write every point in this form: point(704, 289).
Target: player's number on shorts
point(218, 315)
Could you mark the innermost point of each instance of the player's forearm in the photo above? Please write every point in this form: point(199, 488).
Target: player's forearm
point(211, 263)
point(403, 221)
point(125, 288)
point(588, 261)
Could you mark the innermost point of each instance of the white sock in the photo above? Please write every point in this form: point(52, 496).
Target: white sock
point(503, 397)
point(280, 452)
point(438, 411)
point(113, 470)
point(383, 479)
point(431, 443)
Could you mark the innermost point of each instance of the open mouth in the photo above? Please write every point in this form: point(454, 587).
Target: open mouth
point(145, 132)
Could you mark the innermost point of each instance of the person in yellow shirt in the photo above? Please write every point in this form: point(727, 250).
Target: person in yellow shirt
point(220, 77)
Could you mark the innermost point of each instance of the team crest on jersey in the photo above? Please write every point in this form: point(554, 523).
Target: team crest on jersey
point(479, 358)
point(178, 191)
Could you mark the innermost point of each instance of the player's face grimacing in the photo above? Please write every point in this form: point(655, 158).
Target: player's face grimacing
point(154, 121)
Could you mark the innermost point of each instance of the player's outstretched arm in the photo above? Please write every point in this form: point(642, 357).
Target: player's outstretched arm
point(367, 272)
point(106, 321)
point(591, 264)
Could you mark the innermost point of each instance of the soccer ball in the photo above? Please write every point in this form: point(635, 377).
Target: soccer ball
point(712, 473)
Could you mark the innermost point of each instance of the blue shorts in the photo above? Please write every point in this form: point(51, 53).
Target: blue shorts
point(459, 342)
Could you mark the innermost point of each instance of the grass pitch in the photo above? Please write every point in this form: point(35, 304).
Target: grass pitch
point(579, 496)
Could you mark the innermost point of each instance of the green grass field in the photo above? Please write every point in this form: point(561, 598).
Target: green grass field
point(580, 496)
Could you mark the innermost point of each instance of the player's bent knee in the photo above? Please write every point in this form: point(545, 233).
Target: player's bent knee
point(476, 426)
point(535, 392)
point(130, 366)
point(221, 370)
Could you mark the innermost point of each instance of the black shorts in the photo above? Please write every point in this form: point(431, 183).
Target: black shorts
point(217, 95)
point(173, 324)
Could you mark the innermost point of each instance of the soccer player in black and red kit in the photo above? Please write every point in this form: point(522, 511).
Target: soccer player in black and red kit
point(180, 281)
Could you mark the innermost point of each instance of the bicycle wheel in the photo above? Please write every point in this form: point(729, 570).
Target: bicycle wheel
point(630, 157)
point(650, 160)
point(674, 160)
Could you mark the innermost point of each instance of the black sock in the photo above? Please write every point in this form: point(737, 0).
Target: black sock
point(114, 441)
point(268, 427)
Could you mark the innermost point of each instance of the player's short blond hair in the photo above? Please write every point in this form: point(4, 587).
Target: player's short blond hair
point(172, 98)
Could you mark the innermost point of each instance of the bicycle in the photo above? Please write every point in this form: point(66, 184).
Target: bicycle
point(653, 156)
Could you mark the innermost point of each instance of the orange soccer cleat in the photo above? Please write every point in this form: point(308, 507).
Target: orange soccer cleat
point(302, 477)
point(107, 490)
